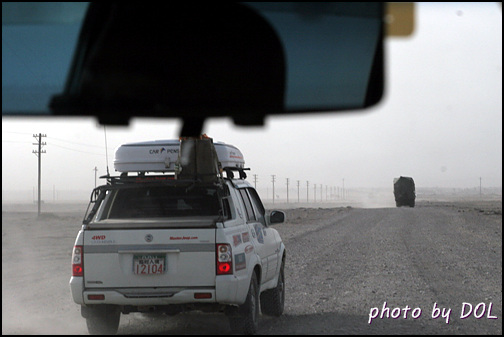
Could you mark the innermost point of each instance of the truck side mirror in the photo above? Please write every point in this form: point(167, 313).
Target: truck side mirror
point(277, 217)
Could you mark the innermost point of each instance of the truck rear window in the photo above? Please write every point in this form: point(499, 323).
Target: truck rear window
point(161, 202)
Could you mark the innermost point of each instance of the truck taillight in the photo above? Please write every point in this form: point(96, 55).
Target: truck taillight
point(77, 261)
point(224, 259)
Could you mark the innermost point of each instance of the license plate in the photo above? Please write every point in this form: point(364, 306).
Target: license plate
point(149, 264)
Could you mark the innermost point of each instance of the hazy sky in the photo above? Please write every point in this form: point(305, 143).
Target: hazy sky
point(440, 122)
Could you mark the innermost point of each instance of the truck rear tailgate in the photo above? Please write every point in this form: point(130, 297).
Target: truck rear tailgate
point(132, 258)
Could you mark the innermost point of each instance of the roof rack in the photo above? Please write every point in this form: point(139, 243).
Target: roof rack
point(240, 170)
point(143, 177)
point(140, 178)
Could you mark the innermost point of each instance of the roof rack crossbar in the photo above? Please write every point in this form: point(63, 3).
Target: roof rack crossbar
point(229, 172)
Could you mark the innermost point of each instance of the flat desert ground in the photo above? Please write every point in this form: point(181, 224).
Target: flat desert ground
point(342, 261)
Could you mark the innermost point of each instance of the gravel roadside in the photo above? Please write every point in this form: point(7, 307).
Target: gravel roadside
point(341, 263)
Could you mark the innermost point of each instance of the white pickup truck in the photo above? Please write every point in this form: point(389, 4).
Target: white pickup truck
point(171, 243)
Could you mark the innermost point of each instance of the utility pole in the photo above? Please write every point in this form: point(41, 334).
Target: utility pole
point(255, 181)
point(287, 190)
point(321, 190)
point(273, 181)
point(315, 193)
point(307, 189)
point(298, 190)
point(38, 153)
point(480, 187)
point(343, 190)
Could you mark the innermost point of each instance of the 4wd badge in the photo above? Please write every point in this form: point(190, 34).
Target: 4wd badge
point(148, 237)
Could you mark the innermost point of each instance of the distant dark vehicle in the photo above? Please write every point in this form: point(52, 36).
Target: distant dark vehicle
point(404, 191)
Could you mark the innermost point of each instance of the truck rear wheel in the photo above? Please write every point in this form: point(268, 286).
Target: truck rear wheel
point(102, 319)
point(272, 300)
point(245, 318)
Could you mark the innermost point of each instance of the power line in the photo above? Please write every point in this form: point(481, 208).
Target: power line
point(16, 133)
point(76, 143)
point(15, 141)
point(55, 145)
point(74, 150)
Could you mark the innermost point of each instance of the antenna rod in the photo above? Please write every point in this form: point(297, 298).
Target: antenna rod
point(106, 149)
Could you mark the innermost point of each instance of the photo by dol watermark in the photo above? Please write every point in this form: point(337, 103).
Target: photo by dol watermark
point(478, 311)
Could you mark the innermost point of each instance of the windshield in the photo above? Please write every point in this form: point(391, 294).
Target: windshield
point(349, 247)
point(160, 202)
point(38, 41)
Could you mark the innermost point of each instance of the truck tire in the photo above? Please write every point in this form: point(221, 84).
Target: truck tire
point(101, 319)
point(272, 300)
point(244, 320)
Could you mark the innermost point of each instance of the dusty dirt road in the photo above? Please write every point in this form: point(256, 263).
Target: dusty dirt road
point(341, 263)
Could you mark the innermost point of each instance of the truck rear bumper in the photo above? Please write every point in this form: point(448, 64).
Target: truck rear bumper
point(230, 289)
point(148, 296)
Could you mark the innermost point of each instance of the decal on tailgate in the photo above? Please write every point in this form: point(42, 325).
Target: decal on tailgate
point(101, 239)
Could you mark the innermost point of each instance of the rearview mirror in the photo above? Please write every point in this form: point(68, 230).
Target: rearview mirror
point(242, 60)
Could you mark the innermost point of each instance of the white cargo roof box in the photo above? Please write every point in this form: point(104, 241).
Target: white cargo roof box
point(161, 156)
